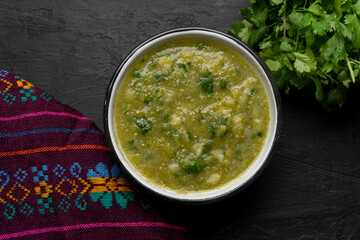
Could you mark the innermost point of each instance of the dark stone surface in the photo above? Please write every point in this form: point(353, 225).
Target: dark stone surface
point(71, 48)
point(310, 190)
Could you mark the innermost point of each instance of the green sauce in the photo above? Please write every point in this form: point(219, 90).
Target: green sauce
point(191, 115)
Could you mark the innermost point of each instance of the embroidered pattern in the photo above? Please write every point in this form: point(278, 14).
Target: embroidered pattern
point(40, 176)
point(3, 73)
point(20, 175)
point(107, 188)
point(25, 91)
point(46, 96)
point(9, 98)
point(5, 85)
point(61, 189)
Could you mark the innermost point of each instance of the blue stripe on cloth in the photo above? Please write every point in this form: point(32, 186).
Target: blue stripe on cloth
point(48, 130)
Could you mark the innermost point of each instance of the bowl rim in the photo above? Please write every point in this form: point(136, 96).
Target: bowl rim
point(238, 188)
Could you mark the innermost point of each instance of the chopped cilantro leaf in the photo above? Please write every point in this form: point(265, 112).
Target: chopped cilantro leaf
point(143, 124)
point(224, 121)
point(160, 76)
point(183, 66)
point(212, 131)
point(207, 83)
point(223, 83)
point(258, 134)
point(148, 99)
point(207, 73)
point(132, 146)
point(164, 116)
point(190, 135)
point(154, 63)
point(194, 166)
point(137, 73)
point(201, 46)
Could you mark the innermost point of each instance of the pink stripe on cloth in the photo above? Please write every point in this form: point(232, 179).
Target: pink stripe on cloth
point(35, 114)
point(91, 225)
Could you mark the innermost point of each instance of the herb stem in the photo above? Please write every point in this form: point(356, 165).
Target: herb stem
point(329, 77)
point(350, 69)
point(284, 26)
point(354, 60)
point(275, 23)
point(284, 19)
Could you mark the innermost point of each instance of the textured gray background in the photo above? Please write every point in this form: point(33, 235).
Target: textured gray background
point(310, 190)
point(71, 48)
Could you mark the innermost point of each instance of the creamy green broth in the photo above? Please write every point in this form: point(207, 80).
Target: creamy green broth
point(191, 115)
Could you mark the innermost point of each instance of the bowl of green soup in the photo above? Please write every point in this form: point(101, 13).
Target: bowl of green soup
point(192, 115)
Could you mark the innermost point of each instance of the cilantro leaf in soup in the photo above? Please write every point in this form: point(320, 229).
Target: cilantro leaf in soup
point(137, 73)
point(223, 83)
point(132, 146)
point(190, 135)
point(164, 116)
point(201, 46)
point(183, 66)
point(207, 73)
point(207, 83)
point(212, 131)
point(253, 91)
point(224, 121)
point(194, 166)
point(148, 99)
point(160, 76)
point(143, 124)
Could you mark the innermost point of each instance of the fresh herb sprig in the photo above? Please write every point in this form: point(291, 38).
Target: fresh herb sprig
point(311, 45)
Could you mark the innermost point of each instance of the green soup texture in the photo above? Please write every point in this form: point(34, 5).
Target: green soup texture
point(191, 115)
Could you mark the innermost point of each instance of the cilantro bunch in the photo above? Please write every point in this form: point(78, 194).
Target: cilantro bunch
point(312, 45)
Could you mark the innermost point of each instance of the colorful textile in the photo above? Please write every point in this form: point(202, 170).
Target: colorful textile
point(57, 178)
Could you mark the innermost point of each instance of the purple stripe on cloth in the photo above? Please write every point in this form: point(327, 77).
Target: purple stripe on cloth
point(36, 114)
point(49, 130)
point(92, 225)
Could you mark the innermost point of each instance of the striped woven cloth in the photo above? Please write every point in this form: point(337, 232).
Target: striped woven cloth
point(57, 178)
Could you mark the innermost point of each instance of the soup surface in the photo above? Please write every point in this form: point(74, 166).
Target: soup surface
point(191, 115)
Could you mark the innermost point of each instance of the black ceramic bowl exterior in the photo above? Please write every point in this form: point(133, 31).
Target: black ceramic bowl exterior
point(253, 171)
